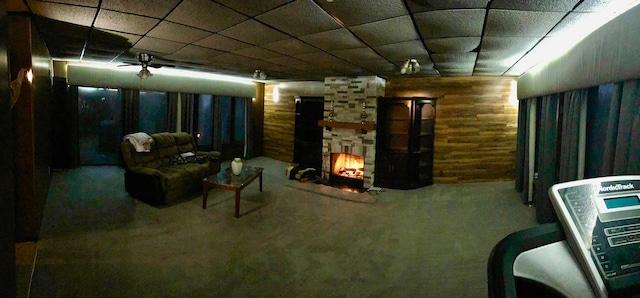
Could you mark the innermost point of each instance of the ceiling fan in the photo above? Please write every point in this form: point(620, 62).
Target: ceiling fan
point(144, 60)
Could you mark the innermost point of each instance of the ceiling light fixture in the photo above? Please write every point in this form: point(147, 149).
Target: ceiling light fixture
point(144, 73)
point(411, 66)
point(144, 59)
point(259, 75)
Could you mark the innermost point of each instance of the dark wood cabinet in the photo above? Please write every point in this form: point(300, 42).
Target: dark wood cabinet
point(404, 142)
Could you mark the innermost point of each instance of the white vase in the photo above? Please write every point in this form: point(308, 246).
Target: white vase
point(236, 166)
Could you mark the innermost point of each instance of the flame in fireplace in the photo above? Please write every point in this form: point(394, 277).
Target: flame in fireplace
point(347, 165)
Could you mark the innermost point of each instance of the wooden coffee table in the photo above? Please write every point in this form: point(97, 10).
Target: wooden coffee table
point(225, 179)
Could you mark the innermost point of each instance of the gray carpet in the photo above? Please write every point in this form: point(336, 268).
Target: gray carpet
point(96, 241)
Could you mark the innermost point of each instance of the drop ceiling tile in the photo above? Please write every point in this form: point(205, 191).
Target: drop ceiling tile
point(388, 31)
point(290, 47)
point(356, 12)
point(452, 60)
point(131, 38)
point(62, 12)
point(535, 5)
point(257, 53)
point(108, 42)
point(193, 53)
point(505, 50)
point(378, 65)
point(206, 15)
point(356, 55)
point(597, 5)
point(319, 58)
point(489, 71)
point(221, 42)
point(91, 3)
point(154, 9)
point(288, 61)
point(450, 23)
point(520, 23)
point(298, 18)
point(456, 72)
point(233, 59)
point(254, 33)
point(176, 32)
point(402, 50)
point(452, 44)
point(123, 22)
point(575, 21)
point(253, 8)
point(333, 40)
point(158, 45)
point(428, 5)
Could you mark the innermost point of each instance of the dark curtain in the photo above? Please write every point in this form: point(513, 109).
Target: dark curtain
point(570, 145)
point(172, 111)
point(528, 107)
point(597, 120)
point(623, 131)
point(130, 111)
point(248, 138)
point(546, 158)
point(217, 124)
point(521, 142)
point(187, 112)
point(73, 133)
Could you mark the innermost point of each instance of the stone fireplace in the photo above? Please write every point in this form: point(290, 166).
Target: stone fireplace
point(350, 107)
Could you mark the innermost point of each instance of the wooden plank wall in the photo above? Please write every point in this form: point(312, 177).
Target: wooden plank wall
point(279, 117)
point(476, 125)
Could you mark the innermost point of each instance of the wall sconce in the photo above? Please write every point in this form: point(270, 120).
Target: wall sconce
point(411, 66)
point(30, 76)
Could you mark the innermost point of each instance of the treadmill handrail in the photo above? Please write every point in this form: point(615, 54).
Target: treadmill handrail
point(500, 278)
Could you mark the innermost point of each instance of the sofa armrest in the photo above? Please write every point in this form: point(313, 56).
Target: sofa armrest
point(214, 160)
point(210, 154)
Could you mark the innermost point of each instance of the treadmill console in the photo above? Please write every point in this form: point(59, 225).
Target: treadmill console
point(601, 219)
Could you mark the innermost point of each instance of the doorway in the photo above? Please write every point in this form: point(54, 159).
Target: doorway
point(307, 145)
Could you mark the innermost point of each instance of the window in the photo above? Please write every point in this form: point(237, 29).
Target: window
point(99, 125)
point(205, 120)
point(153, 111)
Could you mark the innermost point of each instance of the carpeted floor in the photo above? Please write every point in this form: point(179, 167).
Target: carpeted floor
point(290, 241)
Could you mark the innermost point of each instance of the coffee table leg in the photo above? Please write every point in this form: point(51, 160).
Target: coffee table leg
point(237, 203)
point(260, 181)
point(205, 192)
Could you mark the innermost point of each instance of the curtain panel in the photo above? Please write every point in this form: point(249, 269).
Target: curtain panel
point(572, 143)
point(248, 136)
point(172, 111)
point(187, 112)
point(546, 158)
point(523, 111)
point(130, 111)
point(622, 145)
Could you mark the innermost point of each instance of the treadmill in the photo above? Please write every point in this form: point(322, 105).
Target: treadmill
point(593, 251)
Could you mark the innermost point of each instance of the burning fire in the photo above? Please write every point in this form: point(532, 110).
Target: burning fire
point(348, 165)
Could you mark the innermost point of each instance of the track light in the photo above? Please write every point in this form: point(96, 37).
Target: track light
point(411, 66)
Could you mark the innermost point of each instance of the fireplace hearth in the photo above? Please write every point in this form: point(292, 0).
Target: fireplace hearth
point(347, 170)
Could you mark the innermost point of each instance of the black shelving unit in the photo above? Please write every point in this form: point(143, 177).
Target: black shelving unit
point(404, 142)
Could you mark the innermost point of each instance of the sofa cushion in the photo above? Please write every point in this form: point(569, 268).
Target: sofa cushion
point(184, 142)
point(165, 146)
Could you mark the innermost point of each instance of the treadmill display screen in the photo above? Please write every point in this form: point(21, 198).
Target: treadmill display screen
point(622, 202)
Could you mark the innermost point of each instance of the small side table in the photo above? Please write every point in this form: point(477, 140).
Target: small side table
point(225, 179)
